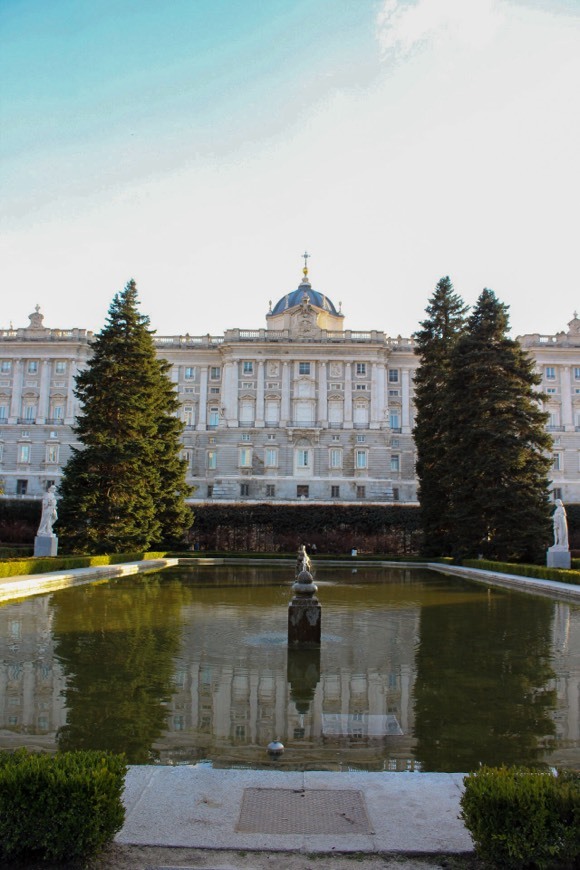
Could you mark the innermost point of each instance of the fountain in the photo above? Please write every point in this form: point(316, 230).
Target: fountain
point(304, 611)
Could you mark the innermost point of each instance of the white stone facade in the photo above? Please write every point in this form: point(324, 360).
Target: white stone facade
point(302, 409)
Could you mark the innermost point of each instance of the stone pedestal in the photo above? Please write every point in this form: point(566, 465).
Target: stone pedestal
point(559, 557)
point(45, 545)
point(304, 613)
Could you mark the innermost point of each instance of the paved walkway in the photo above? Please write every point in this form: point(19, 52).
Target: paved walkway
point(280, 811)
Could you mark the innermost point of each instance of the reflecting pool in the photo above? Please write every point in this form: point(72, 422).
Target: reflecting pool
point(417, 670)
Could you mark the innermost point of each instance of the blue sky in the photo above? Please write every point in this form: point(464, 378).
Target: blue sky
point(200, 146)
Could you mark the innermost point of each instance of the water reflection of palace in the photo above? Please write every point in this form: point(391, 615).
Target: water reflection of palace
point(566, 652)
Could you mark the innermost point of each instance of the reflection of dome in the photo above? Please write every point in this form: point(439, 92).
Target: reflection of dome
point(291, 300)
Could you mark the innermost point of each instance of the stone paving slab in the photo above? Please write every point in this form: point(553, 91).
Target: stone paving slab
point(201, 808)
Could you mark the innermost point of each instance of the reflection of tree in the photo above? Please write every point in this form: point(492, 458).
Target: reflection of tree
point(117, 645)
point(481, 692)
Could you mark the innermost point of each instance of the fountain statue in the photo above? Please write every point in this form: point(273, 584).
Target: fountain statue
point(304, 611)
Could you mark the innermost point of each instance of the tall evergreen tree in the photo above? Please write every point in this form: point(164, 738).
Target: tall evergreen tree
point(124, 488)
point(496, 444)
point(434, 344)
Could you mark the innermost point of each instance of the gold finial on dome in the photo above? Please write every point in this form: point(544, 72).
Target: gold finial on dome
point(306, 256)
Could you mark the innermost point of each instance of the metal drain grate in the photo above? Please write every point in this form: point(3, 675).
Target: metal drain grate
point(314, 811)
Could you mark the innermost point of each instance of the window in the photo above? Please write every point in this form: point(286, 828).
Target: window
point(361, 491)
point(304, 368)
point(393, 376)
point(245, 457)
point(271, 437)
point(395, 462)
point(395, 493)
point(210, 490)
point(1, 451)
point(551, 390)
point(32, 366)
point(577, 373)
point(24, 453)
point(271, 457)
point(60, 367)
point(361, 369)
point(303, 458)
point(30, 413)
point(244, 489)
point(245, 436)
point(361, 386)
point(212, 459)
point(214, 418)
point(360, 439)
point(270, 490)
point(248, 367)
point(58, 412)
point(556, 493)
point(21, 487)
point(215, 373)
point(557, 462)
point(6, 366)
point(336, 437)
point(550, 373)
point(334, 387)
point(302, 490)
point(335, 491)
point(25, 433)
point(335, 457)
point(394, 393)
point(188, 415)
point(3, 412)
point(394, 420)
point(189, 373)
point(215, 391)
point(394, 442)
point(361, 458)
point(52, 453)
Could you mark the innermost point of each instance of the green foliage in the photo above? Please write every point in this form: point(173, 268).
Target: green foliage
point(125, 487)
point(538, 572)
point(434, 344)
point(21, 567)
point(522, 818)
point(65, 807)
point(496, 445)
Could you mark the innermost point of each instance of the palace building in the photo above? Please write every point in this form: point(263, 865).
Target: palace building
point(300, 409)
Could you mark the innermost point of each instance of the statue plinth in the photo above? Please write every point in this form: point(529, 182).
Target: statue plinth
point(304, 613)
point(45, 545)
point(559, 557)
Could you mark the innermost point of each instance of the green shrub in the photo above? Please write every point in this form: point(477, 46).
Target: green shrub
point(20, 567)
point(539, 572)
point(65, 807)
point(523, 818)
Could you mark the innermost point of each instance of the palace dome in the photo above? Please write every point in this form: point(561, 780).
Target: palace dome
point(291, 300)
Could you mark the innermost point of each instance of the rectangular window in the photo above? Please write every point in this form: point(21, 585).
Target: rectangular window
point(247, 367)
point(550, 373)
point(361, 386)
point(361, 368)
point(271, 457)
point(335, 387)
point(336, 437)
point(361, 457)
point(3, 412)
point(30, 413)
point(60, 367)
point(551, 390)
point(556, 493)
point(577, 373)
point(245, 457)
point(361, 491)
point(395, 493)
point(395, 462)
point(394, 393)
point(335, 457)
point(210, 490)
point(393, 376)
point(270, 490)
point(212, 459)
point(189, 373)
point(245, 436)
point(58, 412)
point(24, 453)
point(303, 458)
point(271, 437)
point(335, 491)
point(214, 418)
point(244, 489)
point(215, 391)
point(302, 490)
point(215, 373)
point(304, 368)
point(6, 366)
point(360, 439)
point(557, 462)
point(394, 420)
point(32, 366)
point(52, 453)
point(21, 487)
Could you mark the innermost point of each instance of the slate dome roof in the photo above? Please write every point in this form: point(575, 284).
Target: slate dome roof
point(296, 296)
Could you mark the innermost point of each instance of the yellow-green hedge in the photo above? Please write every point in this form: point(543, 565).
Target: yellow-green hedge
point(538, 572)
point(20, 567)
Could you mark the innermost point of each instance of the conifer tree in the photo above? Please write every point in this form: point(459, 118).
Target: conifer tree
point(124, 487)
point(497, 447)
point(434, 344)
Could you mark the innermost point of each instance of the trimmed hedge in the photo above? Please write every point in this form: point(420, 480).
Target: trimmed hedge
point(65, 807)
point(19, 567)
point(539, 572)
point(523, 818)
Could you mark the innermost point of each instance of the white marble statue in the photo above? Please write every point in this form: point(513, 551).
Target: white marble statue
point(49, 513)
point(560, 525)
point(302, 560)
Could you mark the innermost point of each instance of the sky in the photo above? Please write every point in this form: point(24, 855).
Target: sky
point(201, 146)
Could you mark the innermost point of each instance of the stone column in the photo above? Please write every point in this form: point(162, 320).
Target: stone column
point(16, 400)
point(405, 401)
point(260, 395)
point(347, 395)
point(566, 395)
point(202, 398)
point(230, 394)
point(322, 395)
point(69, 413)
point(43, 391)
point(285, 408)
point(377, 396)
